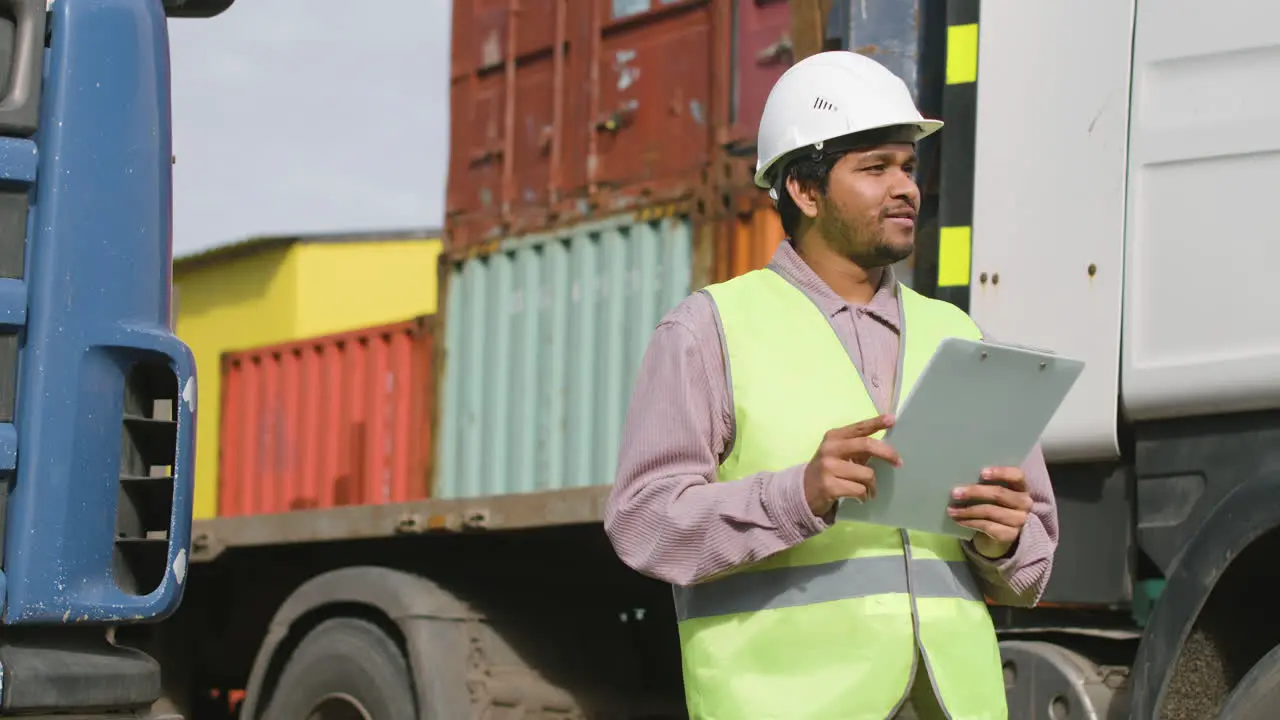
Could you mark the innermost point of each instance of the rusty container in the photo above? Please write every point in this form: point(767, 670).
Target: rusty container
point(562, 109)
point(763, 49)
point(330, 421)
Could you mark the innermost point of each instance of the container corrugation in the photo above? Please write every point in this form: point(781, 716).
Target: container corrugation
point(330, 421)
point(542, 342)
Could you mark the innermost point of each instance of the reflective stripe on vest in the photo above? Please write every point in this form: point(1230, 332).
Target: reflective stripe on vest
point(839, 580)
point(830, 627)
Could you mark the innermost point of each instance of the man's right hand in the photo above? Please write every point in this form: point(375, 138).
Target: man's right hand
point(839, 468)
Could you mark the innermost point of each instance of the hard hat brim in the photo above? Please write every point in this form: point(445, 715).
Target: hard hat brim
point(924, 128)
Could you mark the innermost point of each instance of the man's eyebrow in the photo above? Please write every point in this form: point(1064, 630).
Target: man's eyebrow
point(888, 156)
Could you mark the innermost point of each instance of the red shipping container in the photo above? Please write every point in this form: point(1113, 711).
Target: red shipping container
point(763, 52)
point(337, 420)
point(560, 106)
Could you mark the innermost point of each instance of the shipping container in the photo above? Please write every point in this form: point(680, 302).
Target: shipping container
point(269, 290)
point(327, 422)
point(542, 341)
point(763, 49)
point(556, 102)
point(600, 106)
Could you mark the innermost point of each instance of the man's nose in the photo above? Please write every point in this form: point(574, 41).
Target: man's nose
point(905, 187)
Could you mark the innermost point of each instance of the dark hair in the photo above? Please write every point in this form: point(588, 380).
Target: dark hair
point(812, 174)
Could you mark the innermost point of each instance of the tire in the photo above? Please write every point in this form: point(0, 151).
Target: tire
point(1257, 695)
point(344, 669)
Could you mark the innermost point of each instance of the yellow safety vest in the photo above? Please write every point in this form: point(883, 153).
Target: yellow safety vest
point(828, 629)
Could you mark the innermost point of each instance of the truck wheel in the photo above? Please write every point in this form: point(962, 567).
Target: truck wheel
point(344, 669)
point(1257, 695)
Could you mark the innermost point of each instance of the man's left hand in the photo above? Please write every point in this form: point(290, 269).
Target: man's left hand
point(997, 507)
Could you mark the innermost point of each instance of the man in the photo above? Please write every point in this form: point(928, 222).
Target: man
point(758, 407)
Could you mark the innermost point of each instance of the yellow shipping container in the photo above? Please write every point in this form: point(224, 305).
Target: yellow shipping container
point(276, 289)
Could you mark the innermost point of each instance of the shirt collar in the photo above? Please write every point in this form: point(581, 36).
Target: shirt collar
point(884, 304)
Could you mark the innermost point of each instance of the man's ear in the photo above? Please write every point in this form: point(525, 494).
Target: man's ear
point(805, 198)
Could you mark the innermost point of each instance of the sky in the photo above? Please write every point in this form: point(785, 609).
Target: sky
point(309, 116)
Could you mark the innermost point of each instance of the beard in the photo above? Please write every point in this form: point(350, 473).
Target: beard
point(865, 243)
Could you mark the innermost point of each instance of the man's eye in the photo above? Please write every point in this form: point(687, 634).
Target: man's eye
point(874, 168)
point(909, 169)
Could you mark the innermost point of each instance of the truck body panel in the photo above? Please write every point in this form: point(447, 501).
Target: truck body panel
point(97, 396)
point(1198, 336)
point(1048, 204)
point(99, 361)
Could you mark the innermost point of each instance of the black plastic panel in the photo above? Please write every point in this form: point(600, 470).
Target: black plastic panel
point(1097, 552)
point(62, 668)
point(145, 501)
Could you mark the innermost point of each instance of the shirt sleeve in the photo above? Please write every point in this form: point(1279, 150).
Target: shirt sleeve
point(667, 516)
point(1019, 578)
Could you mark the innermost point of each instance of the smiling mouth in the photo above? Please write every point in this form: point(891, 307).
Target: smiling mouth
point(903, 215)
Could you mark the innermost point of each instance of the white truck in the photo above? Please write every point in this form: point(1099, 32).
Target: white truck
point(1123, 163)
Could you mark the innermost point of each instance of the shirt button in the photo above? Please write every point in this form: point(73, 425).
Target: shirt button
point(860, 312)
point(875, 381)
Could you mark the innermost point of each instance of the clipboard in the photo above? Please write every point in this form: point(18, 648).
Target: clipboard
point(976, 405)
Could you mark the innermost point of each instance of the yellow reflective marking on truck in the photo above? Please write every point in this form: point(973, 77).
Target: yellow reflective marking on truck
point(962, 54)
point(953, 256)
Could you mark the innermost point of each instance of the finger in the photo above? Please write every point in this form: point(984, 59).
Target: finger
point(839, 472)
point(863, 428)
point(996, 494)
point(845, 469)
point(1012, 477)
point(839, 488)
point(995, 531)
point(1003, 516)
point(860, 449)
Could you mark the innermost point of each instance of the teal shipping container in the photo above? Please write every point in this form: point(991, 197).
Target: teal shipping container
point(543, 339)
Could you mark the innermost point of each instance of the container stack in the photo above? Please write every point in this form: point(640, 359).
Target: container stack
point(600, 170)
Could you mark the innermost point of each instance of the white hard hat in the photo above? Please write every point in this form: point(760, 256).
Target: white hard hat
point(827, 96)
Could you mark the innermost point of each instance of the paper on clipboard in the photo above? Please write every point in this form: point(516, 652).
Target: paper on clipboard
point(976, 405)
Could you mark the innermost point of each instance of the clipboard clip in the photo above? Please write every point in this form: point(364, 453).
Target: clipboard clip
point(1016, 346)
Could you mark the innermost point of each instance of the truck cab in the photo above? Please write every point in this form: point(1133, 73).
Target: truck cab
point(1115, 207)
point(97, 396)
